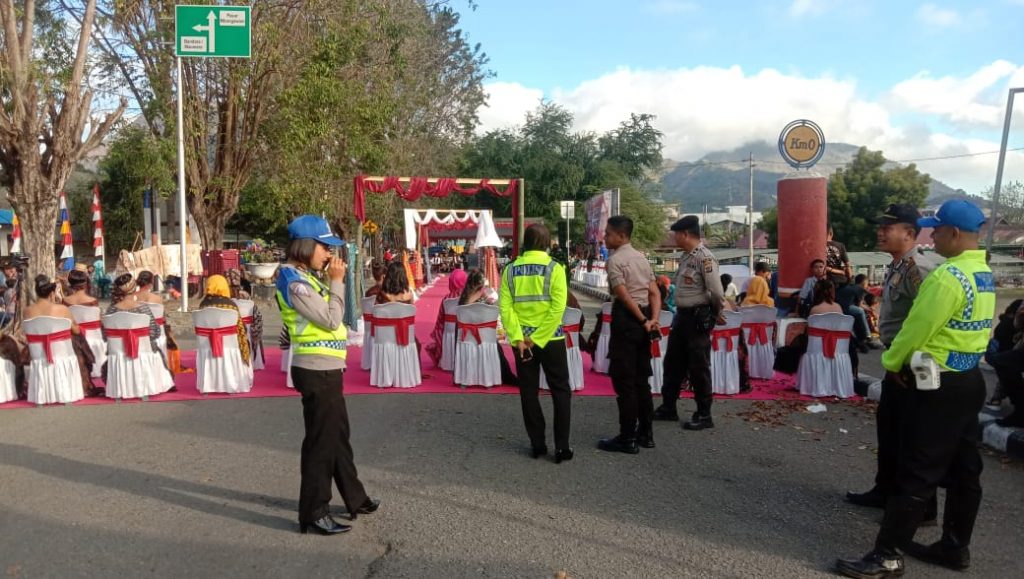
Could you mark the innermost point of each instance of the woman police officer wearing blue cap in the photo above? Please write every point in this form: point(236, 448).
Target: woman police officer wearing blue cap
point(312, 313)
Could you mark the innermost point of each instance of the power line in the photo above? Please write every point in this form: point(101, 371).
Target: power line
point(771, 162)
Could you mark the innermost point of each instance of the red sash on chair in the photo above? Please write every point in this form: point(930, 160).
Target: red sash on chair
point(829, 339)
point(606, 318)
point(656, 344)
point(47, 341)
point(758, 332)
point(160, 322)
point(401, 326)
point(93, 325)
point(130, 337)
point(216, 337)
point(474, 329)
point(568, 330)
point(726, 335)
point(368, 318)
point(451, 319)
point(247, 320)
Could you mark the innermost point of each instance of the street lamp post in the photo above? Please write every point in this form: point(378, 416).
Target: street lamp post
point(999, 168)
point(568, 212)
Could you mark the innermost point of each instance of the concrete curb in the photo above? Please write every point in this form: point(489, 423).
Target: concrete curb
point(596, 293)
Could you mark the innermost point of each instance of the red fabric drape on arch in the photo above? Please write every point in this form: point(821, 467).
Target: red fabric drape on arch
point(420, 186)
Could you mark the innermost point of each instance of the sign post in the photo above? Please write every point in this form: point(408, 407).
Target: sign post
point(208, 32)
point(568, 212)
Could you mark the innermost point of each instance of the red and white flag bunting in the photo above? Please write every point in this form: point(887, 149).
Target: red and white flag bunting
point(16, 235)
point(97, 220)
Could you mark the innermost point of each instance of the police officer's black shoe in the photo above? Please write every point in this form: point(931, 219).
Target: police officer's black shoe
point(325, 526)
point(619, 444)
point(941, 553)
point(874, 565)
point(645, 440)
point(562, 455)
point(538, 451)
point(666, 413)
point(698, 422)
point(874, 498)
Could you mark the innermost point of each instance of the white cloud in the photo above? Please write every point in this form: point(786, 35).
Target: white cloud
point(672, 7)
point(706, 109)
point(976, 100)
point(507, 105)
point(801, 8)
point(936, 17)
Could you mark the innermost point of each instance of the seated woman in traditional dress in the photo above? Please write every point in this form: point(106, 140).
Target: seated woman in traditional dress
point(395, 288)
point(124, 299)
point(241, 289)
point(476, 291)
point(48, 304)
point(78, 290)
point(218, 295)
point(456, 281)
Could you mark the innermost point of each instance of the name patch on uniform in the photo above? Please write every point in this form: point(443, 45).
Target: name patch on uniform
point(529, 269)
point(985, 281)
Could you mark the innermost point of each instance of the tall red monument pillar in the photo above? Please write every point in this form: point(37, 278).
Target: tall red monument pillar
point(803, 216)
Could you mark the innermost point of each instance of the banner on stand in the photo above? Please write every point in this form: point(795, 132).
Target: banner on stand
point(599, 208)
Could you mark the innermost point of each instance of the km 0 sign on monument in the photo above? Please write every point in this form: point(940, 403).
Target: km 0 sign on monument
point(802, 144)
point(213, 31)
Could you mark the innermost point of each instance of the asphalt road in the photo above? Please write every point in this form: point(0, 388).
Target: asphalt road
point(209, 489)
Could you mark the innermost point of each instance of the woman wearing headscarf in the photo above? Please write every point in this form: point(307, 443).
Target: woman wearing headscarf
point(456, 282)
point(238, 291)
point(218, 295)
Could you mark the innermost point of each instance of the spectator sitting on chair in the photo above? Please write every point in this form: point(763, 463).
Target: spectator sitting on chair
point(806, 299)
point(78, 294)
point(1003, 340)
point(218, 295)
point(851, 297)
point(731, 291)
point(757, 291)
point(378, 269)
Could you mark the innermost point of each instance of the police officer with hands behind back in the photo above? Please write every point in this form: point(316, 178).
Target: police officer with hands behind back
point(532, 301)
point(634, 320)
point(699, 299)
point(950, 321)
point(312, 313)
point(896, 235)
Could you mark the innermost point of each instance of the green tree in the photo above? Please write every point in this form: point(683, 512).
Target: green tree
point(862, 189)
point(769, 223)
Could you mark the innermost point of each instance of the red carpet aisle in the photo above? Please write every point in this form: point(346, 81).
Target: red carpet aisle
point(271, 381)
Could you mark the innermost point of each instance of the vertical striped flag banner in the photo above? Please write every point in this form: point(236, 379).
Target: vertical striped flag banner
point(68, 253)
point(97, 222)
point(16, 235)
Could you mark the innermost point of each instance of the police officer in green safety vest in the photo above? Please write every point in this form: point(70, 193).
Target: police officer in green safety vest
point(532, 301)
point(949, 323)
point(312, 314)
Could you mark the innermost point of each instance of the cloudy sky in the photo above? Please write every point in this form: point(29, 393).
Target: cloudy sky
point(914, 79)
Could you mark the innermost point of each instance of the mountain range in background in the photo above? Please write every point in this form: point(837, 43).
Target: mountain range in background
point(722, 178)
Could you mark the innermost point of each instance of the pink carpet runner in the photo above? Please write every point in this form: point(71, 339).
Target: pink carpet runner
point(271, 381)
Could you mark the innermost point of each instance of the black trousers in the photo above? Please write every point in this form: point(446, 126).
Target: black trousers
point(629, 356)
point(892, 411)
point(688, 356)
point(326, 451)
point(1009, 366)
point(556, 369)
point(938, 444)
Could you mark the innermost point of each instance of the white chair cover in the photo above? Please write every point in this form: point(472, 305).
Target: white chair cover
point(53, 373)
point(88, 319)
point(367, 356)
point(246, 309)
point(286, 366)
point(825, 370)
point(448, 339)
point(394, 364)
point(476, 362)
point(657, 378)
point(759, 329)
point(786, 326)
point(161, 340)
point(8, 381)
point(600, 361)
point(574, 356)
point(725, 355)
point(225, 373)
point(128, 377)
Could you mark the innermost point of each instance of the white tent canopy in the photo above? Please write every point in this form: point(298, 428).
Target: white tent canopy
point(487, 234)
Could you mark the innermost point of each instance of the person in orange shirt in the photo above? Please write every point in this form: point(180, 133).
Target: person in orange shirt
point(758, 293)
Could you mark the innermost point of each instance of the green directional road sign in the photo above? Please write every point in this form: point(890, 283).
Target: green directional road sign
point(212, 31)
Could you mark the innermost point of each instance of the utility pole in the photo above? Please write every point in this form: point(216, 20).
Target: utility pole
point(750, 217)
point(999, 169)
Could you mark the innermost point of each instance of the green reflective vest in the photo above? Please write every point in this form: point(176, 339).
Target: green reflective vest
point(532, 298)
point(951, 318)
point(307, 338)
